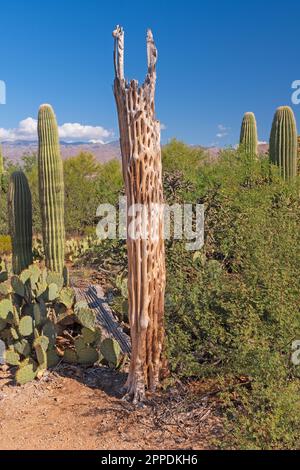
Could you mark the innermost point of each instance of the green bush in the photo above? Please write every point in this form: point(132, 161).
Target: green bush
point(233, 310)
point(5, 244)
point(87, 184)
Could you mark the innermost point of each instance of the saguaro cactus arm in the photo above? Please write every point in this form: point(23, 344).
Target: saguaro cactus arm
point(142, 171)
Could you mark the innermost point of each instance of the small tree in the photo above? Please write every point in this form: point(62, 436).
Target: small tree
point(142, 172)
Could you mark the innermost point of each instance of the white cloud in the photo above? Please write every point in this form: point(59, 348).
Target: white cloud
point(223, 131)
point(262, 143)
point(70, 132)
point(163, 126)
point(74, 132)
point(27, 130)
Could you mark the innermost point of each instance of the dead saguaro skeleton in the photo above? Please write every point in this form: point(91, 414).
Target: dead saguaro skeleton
point(142, 172)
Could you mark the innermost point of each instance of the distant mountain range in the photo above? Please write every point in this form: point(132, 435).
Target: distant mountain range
point(14, 151)
point(263, 148)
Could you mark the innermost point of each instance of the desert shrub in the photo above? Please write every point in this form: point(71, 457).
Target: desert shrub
point(264, 416)
point(101, 183)
point(3, 214)
point(246, 281)
point(233, 310)
point(87, 184)
point(5, 244)
point(179, 157)
point(80, 205)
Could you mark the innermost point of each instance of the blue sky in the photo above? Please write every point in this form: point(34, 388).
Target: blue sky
point(217, 60)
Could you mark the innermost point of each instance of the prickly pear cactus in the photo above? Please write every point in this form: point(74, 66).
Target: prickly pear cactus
point(26, 373)
point(75, 249)
point(42, 341)
point(51, 188)
point(88, 355)
point(52, 358)
point(37, 315)
point(3, 272)
point(6, 310)
point(67, 297)
point(111, 351)
point(23, 348)
point(41, 355)
point(26, 326)
point(70, 356)
point(85, 316)
point(90, 336)
point(12, 358)
point(20, 221)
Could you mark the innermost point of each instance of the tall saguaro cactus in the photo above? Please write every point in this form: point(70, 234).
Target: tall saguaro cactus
point(51, 188)
point(248, 137)
point(20, 221)
point(142, 170)
point(283, 142)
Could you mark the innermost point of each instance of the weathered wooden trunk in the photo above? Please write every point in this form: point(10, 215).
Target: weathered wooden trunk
point(142, 171)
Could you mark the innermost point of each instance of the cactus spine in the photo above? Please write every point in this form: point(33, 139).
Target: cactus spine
point(248, 137)
point(51, 188)
point(20, 221)
point(283, 142)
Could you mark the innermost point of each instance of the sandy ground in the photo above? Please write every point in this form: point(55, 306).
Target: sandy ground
point(81, 408)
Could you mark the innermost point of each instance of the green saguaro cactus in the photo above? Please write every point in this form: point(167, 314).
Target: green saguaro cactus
point(283, 142)
point(51, 188)
point(20, 221)
point(248, 137)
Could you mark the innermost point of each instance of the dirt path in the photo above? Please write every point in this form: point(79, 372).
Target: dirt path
point(77, 408)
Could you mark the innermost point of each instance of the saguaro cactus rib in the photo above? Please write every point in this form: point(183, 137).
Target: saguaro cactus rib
point(51, 188)
point(283, 142)
point(142, 171)
point(20, 221)
point(248, 137)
